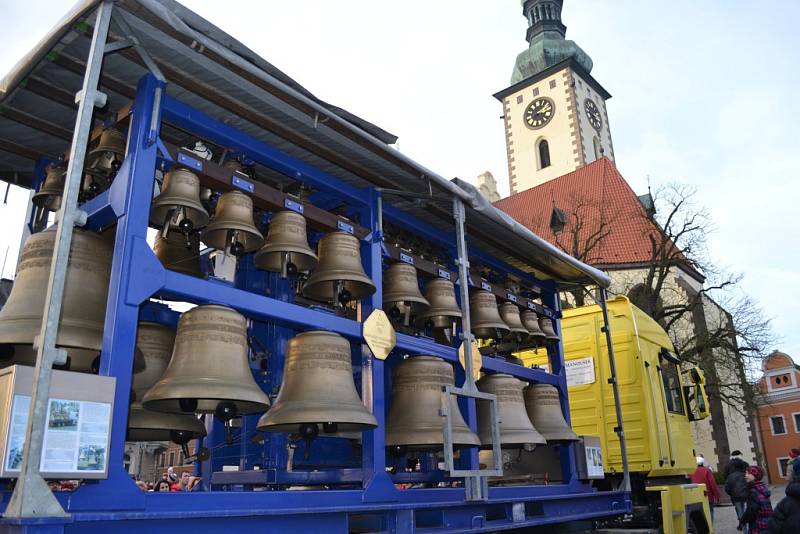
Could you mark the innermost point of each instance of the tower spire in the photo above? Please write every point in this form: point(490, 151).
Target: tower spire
point(543, 16)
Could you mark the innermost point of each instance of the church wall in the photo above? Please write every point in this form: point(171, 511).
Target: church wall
point(560, 132)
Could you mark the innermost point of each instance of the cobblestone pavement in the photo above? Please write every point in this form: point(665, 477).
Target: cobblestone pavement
point(725, 516)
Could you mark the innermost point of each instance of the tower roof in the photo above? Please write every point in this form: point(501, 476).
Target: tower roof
point(547, 45)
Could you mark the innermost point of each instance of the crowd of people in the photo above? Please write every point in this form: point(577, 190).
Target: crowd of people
point(171, 482)
point(750, 495)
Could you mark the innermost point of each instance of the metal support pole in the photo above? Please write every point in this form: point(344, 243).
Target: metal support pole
point(620, 430)
point(32, 497)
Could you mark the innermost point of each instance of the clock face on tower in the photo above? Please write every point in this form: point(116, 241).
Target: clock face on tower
point(593, 114)
point(539, 112)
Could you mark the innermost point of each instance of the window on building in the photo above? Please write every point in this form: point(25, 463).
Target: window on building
point(598, 148)
point(783, 466)
point(796, 417)
point(535, 91)
point(672, 387)
point(552, 84)
point(519, 99)
point(171, 458)
point(778, 425)
point(544, 153)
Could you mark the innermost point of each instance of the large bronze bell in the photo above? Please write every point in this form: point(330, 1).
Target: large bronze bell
point(485, 317)
point(531, 321)
point(178, 252)
point(544, 410)
point(49, 195)
point(546, 324)
point(402, 299)
point(209, 371)
point(414, 417)
point(317, 392)
point(286, 249)
point(509, 312)
point(83, 310)
point(516, 428)
point(155, 342)
point(339, 276)
point(232, 228)
point(443, 312)
point(178, 205)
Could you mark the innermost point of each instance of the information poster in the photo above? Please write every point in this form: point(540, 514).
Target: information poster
point(594, 462)
point(75, 439)
point(580, 371)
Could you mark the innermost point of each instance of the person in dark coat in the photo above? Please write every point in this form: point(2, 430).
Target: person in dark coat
point(786, 517)
point(735, 483)
point(756, 514)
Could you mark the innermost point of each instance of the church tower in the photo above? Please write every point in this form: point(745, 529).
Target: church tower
point(554, 111)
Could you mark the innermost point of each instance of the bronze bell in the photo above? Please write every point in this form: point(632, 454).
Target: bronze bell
point(209, 371)
point(339, 276)
point(317, 391)
point(509, 312)
point(107, 157)
point(546, 324)
point(414, 417)
point(178, 205)
point(286, 249)
point(232, 228)
point(155, 342)
point(49, 195)
point(401, 295)
point(544, 410)
point(443, 312)
point(516, 428)
point(83, 310)
point(485, 317)
point(531, 321)
point(178, 252)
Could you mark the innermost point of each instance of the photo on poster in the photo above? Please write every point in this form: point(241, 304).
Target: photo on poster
point(63, 415)
point(91, 457)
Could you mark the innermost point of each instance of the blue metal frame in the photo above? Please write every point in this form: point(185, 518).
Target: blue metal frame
point(366, 493)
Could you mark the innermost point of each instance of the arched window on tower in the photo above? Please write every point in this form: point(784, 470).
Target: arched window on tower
point(543, 149)
point(598, 148)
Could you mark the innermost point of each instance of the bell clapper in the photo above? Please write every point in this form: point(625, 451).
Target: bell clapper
point(308, 431)
point(407, 315)
point(235, 247)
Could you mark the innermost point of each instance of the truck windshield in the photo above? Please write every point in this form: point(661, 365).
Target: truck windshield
point(672, 387)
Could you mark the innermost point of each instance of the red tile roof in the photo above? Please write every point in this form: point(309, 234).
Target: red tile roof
point(594, 193)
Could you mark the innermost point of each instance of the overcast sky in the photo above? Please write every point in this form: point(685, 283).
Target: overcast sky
point(703, 93)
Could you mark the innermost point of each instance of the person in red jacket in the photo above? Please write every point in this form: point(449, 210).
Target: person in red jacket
point(703, 475)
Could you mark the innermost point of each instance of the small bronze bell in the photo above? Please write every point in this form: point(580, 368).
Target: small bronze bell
point(544, 410)
point(485, 317)
point(516, 428)
point(402, 299)
point(509, 312)
point(49, 195)
point(155, 343)
point(531, 321)
point(106, 159)
point(414, 417)
point(178, 252)
point(317, 391)
point(443, 312)
point(339, 276)
point(83, 310)
point(178, 205)
point(546, 324)
point(232, 228)
point(286, 249)
point(209, 371)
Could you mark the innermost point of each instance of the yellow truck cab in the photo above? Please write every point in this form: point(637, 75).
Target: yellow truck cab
point(659, 396)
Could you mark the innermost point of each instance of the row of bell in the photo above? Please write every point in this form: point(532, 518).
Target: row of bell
point(505, 322)
point(102, 164)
